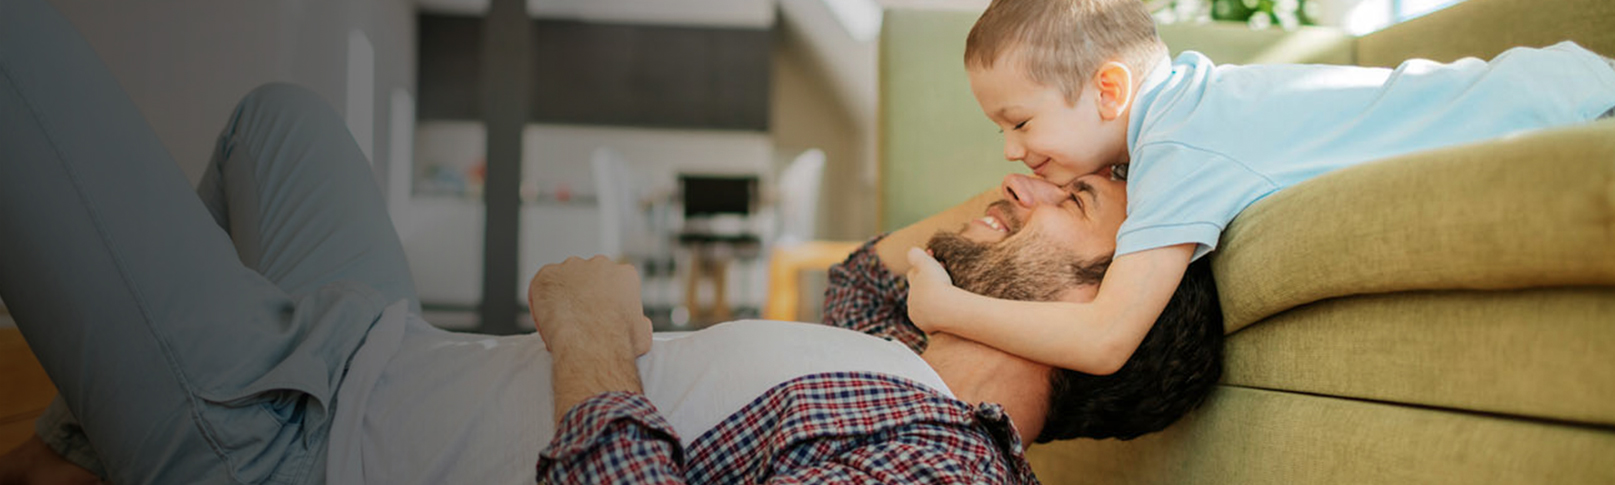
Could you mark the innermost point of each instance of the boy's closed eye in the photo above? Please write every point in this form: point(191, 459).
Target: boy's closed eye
point(1017, 127)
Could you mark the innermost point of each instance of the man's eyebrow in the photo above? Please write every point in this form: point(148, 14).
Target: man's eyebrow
point(1081, 186)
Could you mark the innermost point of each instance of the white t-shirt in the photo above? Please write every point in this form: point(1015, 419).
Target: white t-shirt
point(449, 407)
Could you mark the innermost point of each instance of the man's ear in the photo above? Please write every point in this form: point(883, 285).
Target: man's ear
point(1114, 83)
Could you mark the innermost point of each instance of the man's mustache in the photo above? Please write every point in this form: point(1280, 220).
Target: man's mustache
point(1006, 208)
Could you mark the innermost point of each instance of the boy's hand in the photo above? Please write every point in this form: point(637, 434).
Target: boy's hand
point(929, 289)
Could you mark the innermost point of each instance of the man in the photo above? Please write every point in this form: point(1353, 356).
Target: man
point(586, 312)
point(262, 353)
point(1032, 244)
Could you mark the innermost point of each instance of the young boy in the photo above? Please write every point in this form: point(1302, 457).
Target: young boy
point(1085, 88)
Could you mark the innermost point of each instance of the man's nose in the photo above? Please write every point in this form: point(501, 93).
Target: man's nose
point(1030, 192)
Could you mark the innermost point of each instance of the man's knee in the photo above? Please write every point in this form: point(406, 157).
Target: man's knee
point(279, 103)
point(281, 111)
point(282, 97)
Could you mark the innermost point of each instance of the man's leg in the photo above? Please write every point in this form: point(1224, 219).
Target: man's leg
point(293, 190)
point(297, 197)
point(183, 364)
point(62, 433)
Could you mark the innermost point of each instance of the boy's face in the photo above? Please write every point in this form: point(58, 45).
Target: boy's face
point(1059, 141)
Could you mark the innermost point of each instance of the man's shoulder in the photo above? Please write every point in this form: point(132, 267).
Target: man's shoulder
point(865, 296)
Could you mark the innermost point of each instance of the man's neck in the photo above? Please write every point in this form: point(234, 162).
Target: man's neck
point(977, 373)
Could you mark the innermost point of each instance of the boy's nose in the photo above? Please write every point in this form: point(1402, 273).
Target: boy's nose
point(1029, 192)
point(1013, 152)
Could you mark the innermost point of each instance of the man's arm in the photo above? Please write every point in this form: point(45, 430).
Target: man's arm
point(893, 250)
point(589, 314)
point(867, 291)
point(1094, 338)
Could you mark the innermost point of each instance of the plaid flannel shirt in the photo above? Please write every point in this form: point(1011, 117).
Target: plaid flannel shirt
point(841, 427)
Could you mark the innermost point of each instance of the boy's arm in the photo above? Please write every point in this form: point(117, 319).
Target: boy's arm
point(1095, 337)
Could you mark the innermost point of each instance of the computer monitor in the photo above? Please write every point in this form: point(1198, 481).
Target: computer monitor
point(708, 195)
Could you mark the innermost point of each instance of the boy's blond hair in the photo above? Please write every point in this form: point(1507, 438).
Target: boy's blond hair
point(1062, 43)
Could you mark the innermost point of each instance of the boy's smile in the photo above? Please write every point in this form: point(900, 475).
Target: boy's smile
point(1058, 140)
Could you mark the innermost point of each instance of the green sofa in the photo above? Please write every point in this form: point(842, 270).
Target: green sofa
point(1442, 317)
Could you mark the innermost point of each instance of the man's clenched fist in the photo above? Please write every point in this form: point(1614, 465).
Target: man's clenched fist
point(591, 303)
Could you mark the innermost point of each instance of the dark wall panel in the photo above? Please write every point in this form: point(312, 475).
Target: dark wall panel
point(450, 67)
point(612, 74)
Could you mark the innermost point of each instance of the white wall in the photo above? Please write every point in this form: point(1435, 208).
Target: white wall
point(186, 63)
point(443, 234)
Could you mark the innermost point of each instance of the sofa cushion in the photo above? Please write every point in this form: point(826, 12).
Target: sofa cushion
point(1531, 210)
point(1538, 353)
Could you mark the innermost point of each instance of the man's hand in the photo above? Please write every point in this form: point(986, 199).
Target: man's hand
point(591, 303)
point(589, 314)
point(930, 288)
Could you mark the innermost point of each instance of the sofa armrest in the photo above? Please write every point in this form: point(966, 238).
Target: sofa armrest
point(1533, 210)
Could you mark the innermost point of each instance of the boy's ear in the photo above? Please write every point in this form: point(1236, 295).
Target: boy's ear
point(1114, 83)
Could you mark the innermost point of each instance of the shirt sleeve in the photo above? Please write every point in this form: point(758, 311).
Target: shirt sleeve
point(865, 296)
point(931, 454)
point(617, 436)
point(1180, 194)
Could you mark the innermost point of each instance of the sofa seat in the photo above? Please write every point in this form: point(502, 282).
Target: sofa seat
point(1522, 353)
point(1253, 437)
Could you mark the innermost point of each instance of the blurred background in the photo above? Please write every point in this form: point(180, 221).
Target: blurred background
point(691, 138)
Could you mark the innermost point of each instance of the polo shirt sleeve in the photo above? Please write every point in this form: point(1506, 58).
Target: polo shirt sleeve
point(1180, 194)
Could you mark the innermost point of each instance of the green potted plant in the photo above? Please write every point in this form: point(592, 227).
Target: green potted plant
point(1258, 14)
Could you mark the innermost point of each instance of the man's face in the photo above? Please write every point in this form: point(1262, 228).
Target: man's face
point(1056, 138)
point(1039, 241)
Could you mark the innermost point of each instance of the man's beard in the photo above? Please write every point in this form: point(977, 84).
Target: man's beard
point(1028, 268)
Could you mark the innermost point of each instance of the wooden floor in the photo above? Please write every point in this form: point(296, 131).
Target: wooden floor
point(25, 391)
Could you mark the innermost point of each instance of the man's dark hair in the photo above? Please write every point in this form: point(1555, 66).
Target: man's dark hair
point(1171, 373)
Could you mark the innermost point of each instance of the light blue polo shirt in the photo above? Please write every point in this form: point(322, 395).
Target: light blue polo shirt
point(1207, 141)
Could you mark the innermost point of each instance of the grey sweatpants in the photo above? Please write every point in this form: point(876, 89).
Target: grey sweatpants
point(194, 339)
